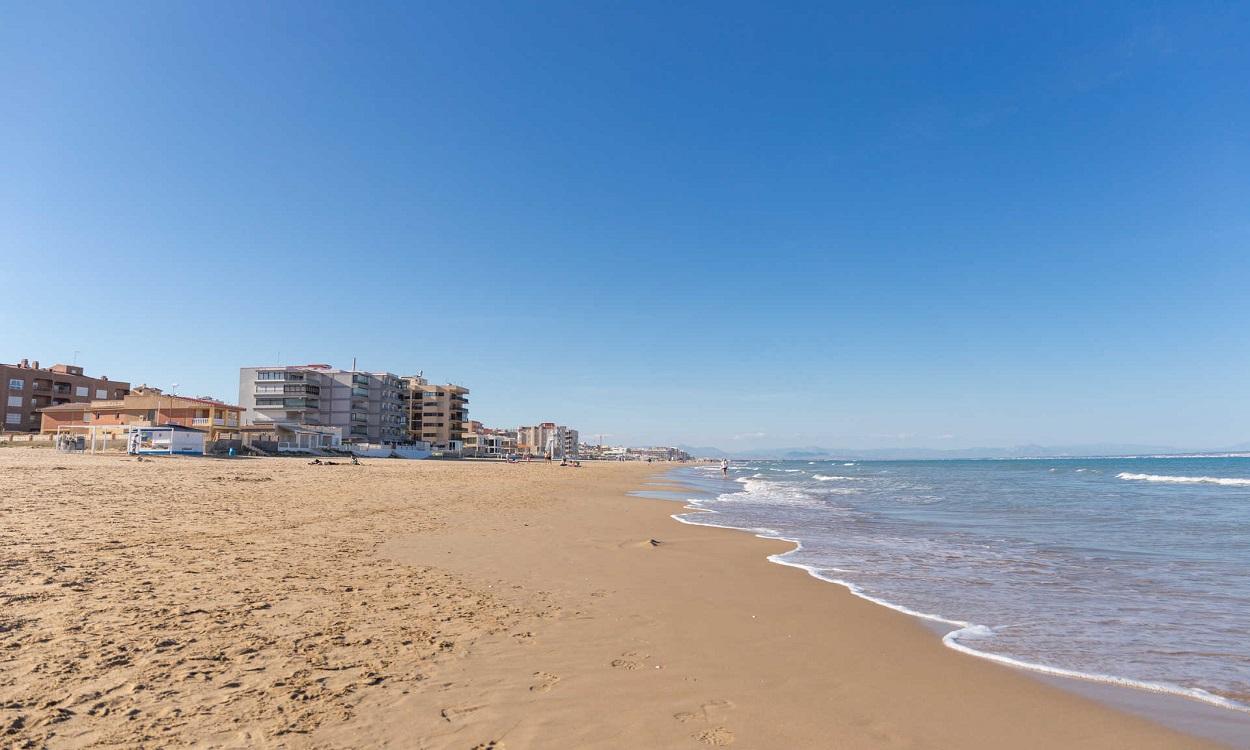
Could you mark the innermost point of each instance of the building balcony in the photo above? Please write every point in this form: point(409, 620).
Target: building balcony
point(199, 421)
point(288, 407)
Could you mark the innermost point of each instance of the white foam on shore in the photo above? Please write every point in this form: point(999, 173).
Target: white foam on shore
point(960, 628)
point(831, 478)
point(1226, 481)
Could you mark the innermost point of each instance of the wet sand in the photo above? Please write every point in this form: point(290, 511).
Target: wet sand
point(267, 603)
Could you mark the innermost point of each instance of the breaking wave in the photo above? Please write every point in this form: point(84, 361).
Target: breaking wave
point(1226, 481)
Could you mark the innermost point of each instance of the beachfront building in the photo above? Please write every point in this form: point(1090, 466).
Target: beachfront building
point(281, 437)
point(435, 414)
point(659, 453)
point(599, 452)
point(548, 439)
point(147, 407)
point(366, 406)
point(486, 442)
point(28, 388)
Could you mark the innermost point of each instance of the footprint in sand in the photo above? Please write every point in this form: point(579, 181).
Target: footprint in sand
point(717, 736)
point(630, 660)
point(710, 713)
point(456, 713)
point(544, 681)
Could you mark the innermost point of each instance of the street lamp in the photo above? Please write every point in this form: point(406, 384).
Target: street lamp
point(157, 421)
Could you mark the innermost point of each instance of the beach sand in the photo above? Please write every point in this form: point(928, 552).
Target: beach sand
point(268, 603)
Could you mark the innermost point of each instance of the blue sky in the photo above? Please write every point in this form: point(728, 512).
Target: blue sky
point(721, 223)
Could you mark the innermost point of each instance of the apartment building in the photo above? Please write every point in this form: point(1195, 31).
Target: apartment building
point(435, 414)
point(29, 388)
point(486, 442)
point(367, 406)
point(148, 407)
point(659, 453)
point(548, 438)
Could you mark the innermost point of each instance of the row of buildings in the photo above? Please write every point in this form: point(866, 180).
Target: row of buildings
point(368, 407)
point(302, 407)
point(543, 439)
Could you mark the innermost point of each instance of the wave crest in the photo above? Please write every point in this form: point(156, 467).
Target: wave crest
point(1226, 481)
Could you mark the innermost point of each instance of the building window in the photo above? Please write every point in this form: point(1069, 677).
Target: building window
point(271, 375)
point(15, 401)
point(12, 418)
point(16, 384)
point(82, 391)
point(101, 394)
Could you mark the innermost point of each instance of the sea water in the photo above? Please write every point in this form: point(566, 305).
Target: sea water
point(1132, 571)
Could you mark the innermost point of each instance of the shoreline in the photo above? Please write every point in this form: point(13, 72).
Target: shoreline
point(1191, 710)
point(183, 602)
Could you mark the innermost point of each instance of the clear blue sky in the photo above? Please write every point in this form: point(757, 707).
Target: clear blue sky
point(720, 223)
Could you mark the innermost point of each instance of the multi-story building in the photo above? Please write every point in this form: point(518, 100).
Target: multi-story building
point(548, 439)
point(486, 442)
point(659, 453)
point(435, 414)
point(148, 407)
point(366, 405)
point(29, 388)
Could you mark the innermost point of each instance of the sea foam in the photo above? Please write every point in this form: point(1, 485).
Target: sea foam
point(1226, 481)
point(1028, 599)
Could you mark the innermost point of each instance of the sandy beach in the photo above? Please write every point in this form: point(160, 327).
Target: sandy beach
point(268, 603)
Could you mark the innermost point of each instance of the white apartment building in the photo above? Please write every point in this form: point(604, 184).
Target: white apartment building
point(548, 438)
point(366, 405)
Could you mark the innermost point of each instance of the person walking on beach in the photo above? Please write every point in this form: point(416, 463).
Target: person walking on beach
point(724, 467)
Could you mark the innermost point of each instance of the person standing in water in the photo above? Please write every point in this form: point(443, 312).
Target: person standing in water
point(724, 467)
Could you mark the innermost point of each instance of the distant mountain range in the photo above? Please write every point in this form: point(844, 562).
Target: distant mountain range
point(813, 453)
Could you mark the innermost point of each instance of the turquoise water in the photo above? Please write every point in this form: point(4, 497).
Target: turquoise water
point(1133, 570)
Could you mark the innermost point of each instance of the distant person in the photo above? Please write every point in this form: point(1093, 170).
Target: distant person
point(724, 467)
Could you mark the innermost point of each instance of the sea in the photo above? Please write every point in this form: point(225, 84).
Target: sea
point(1125, 571)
